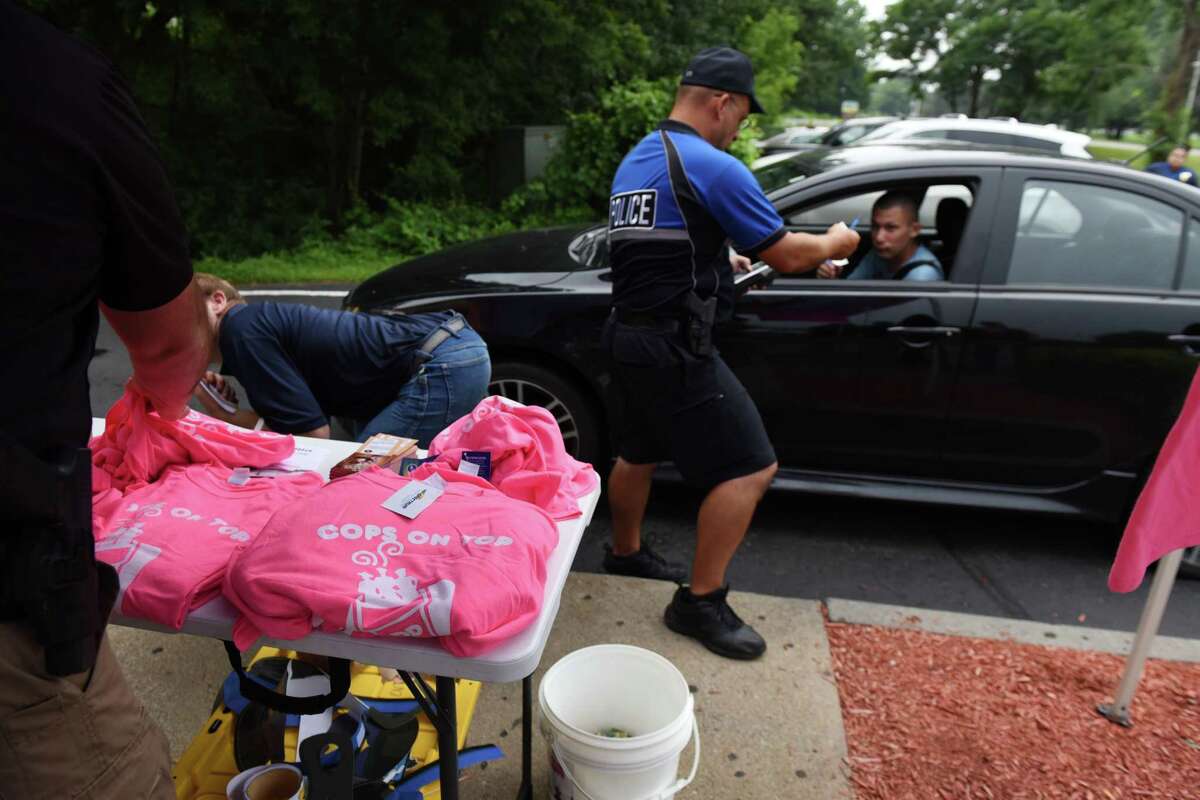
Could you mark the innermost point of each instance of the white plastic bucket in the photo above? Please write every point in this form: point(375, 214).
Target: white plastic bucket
point(617, 686)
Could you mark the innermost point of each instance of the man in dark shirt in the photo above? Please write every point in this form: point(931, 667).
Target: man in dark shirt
point(1175, 167)
point(87, 222)
point(677, 200)
point(409, 375)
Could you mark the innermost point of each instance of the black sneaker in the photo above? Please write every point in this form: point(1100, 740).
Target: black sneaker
point(709, 619)
point(645, 563)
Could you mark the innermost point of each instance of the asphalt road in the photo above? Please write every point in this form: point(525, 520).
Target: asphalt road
point(1022, 566)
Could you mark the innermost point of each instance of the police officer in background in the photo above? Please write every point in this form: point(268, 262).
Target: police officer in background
point(87, 220)
point(678, 199)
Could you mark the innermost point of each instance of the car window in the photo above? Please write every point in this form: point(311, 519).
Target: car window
point(846, 209)
point(1191, 267)
point(1086, 235)
point(1036, 144)
point(928, 135)
point(980, 137)
point(846, 135)
point(803, 137)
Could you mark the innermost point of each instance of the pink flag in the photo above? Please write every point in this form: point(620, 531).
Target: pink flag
point(1167, 514)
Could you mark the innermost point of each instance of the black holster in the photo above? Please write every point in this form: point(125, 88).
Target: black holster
point(51, 581)
point(700, 318)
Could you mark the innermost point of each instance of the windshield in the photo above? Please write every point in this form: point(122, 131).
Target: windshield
point(848, 132)
point(781, 173)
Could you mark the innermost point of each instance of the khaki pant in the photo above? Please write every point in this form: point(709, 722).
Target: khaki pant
point(84, 736)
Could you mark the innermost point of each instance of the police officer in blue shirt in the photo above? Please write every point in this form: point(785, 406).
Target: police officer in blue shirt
point(678, 199)
point(1174, 168)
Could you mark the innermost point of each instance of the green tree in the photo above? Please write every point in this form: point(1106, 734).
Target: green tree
point(1041, 59)
point(891, 96)
point(1169, 118)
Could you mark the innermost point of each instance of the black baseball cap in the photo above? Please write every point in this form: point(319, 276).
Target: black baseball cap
point(725, 69)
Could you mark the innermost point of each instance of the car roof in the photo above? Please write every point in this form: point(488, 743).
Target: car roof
point(831, 162)
point(904, 126)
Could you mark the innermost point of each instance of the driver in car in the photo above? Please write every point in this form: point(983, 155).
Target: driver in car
point(896, 253)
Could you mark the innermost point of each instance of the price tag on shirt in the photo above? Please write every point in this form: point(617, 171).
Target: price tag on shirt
point(415, 497)
point(477, 462)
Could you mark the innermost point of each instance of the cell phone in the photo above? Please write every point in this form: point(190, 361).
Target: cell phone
point(210, 390)
point(748, 279)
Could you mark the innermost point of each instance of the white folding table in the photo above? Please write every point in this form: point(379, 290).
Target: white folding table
point(516, 659)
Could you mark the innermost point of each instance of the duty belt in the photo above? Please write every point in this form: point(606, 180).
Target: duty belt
point(443, 332)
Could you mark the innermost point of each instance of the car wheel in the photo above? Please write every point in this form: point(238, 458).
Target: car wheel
point(535, 385)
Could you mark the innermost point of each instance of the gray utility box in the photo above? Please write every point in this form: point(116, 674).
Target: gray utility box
point(520, 155)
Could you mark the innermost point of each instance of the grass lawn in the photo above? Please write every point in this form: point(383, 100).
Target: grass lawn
point(323, 263)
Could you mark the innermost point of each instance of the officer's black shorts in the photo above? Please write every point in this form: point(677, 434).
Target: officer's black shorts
point(674, 406)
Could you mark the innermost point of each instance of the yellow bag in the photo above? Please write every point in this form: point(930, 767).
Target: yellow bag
point(211, 758)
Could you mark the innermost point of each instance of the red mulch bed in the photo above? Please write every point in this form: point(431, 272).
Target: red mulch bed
point(930, 716)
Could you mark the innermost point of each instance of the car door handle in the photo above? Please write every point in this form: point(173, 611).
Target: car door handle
point(919, 330)
point(1188, 341)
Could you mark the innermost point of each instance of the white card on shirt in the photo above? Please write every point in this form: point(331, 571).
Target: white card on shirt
point(468, 468)
point(414, 498)
point(304, 458)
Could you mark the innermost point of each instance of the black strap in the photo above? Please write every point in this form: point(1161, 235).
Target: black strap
point(328, 781)
point(902, 273)
point(339, 685)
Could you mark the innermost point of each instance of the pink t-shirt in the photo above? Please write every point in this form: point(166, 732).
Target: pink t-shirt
point(138, 444)
point(171, 540)
point(470, 570)
point(529, 460)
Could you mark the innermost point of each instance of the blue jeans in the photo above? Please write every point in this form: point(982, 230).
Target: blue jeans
point(446, 387)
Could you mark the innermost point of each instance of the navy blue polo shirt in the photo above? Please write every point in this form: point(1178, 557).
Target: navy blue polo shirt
point(1185, 174)
point(300, 365)
point(676, 203)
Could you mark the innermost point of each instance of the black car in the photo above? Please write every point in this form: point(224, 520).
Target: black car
point(1043, 374)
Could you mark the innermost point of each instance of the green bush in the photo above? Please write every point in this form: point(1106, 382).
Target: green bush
point(374, 241)
point(579, 175)
point(580, 172)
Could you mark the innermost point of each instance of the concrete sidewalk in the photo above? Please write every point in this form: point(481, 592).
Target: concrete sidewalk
point(768, 728)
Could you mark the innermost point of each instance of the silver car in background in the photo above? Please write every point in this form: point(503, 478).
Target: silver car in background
point(994, 133)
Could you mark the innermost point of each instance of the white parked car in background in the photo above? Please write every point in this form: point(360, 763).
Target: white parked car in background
point(996, 133)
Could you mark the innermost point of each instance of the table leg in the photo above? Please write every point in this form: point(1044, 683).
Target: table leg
point(447, 736)
point(526, 790)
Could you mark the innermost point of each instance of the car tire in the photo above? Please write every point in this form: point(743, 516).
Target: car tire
point(577, 417)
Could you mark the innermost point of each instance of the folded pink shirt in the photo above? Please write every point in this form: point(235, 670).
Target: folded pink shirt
point(1166, 516)
point(529, 460)
point(170, 541)
point(470, 570)
point(137, 444)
